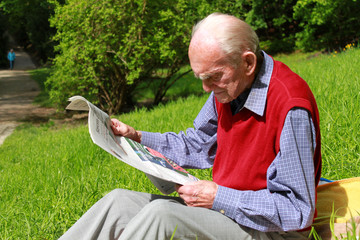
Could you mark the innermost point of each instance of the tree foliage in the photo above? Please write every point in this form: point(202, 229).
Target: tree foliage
point(106, 48)
point(28, 22)
point(327, 24)
point(3, 42)
point(274, 23)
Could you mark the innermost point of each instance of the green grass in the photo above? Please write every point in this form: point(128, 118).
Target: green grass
point(335, 82)
point(50, 175)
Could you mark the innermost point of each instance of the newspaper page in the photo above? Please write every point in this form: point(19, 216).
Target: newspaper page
point(162, 172)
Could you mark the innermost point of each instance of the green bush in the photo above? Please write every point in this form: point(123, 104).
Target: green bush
point(106, 48)
point(327, 25)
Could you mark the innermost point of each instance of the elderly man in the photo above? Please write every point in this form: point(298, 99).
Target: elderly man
point(259, 130)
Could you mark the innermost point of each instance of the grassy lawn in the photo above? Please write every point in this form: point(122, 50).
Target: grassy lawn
point(50, 175)
point(335, 82)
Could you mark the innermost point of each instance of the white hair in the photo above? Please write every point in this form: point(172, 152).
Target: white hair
point(233, 35)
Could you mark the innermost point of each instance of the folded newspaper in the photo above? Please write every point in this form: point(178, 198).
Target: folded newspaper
point(162, 172)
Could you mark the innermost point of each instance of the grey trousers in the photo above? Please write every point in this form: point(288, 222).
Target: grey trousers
point(124, 214)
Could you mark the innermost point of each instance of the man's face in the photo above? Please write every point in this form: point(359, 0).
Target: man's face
point(209, 64)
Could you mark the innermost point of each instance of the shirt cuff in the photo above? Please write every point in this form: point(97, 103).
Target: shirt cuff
point(149, 139)
point(226, 201)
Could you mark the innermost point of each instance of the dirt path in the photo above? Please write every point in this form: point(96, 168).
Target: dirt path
point(17, 92)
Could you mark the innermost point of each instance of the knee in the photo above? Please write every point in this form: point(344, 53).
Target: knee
point(127, 199)
point(162, 210)
point(160, 205)
point(117, 193)
point(118, 197)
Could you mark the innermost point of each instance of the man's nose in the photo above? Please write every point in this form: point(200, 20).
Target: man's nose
point(207, 86)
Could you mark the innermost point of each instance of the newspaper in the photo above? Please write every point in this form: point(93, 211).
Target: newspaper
point(162, 172)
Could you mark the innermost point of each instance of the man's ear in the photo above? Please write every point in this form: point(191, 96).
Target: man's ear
point(250, 60)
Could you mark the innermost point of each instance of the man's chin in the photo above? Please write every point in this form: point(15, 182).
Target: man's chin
point(222, 98)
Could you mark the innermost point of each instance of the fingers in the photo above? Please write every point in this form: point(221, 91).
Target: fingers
point(122, 129)
point(187, 193)
point(198, 194)
point(193, 198)
point(115, 126)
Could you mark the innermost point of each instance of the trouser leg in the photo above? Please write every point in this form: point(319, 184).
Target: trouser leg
point(107, 218)
point(161, 218)
point(135, 215)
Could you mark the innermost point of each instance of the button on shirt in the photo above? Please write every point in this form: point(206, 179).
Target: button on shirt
point(288, 202)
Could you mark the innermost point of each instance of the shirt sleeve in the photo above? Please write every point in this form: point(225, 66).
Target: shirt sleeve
point(288, 203)
point(194, 149)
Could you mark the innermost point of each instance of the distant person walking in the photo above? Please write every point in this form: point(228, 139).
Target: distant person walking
point(11, 57)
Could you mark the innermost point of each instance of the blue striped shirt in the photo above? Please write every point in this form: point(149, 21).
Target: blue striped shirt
point(288, 202)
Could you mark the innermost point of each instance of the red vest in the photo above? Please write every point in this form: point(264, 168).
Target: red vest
point(248, 143)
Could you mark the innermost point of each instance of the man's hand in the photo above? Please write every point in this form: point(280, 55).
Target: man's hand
point(198, 194)
point(122, 129)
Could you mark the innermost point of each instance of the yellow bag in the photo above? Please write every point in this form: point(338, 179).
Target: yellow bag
point(341, 197)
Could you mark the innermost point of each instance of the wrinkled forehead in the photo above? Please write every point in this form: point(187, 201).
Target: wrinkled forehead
point(205, 53)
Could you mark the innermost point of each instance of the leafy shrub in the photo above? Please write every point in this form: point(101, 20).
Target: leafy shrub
point(106, 48)
point(327, 25)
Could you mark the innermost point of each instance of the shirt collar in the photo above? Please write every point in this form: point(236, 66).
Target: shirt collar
point(256, 100)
